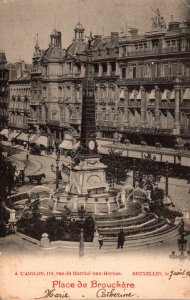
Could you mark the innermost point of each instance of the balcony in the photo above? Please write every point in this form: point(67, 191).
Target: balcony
point(156, 51)
point(122, 103)
point(111, 102)
point(185, 105)
point(53, 122)
point(36, 70)
point(150, 130)
point(151, 105)
point(72, 75)
point(32, 121)
point(33, 103)
point(65, 124)
point(166, 105)
point(103, 101)
point(134, 104)
point(146, 80)
point(41, 122)
point(75, 121)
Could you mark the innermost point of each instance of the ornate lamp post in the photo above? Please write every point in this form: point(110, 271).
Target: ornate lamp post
point(134, 169)
point(81, 212)
point(166, 178)
point(57, 170)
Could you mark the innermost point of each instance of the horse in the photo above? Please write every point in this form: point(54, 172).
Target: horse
point(36, 178)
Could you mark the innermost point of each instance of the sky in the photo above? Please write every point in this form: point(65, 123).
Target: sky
point(21, 20)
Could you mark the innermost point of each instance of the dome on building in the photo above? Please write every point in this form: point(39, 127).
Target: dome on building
point(79, 26)
point(54, 32)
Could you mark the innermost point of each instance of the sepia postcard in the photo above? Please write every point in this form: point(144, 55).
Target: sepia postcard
point(94, 149)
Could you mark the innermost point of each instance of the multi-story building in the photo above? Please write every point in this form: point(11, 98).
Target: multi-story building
point(19, 95)
point(142, 84)
point(4, 77)
point(155, 82)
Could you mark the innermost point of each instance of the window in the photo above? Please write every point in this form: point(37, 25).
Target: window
point(174, 69)
point(134, 72)
point(166, 70)
point(140, 71)
point(124, 51)
point(45, 70)
point(123, 72)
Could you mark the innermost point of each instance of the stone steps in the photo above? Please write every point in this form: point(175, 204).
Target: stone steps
point(162, 235)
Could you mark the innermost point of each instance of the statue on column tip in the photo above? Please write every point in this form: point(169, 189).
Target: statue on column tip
point(158, 21)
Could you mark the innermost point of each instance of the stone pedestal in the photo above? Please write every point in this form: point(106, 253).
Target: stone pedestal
point(88, 178)
point(12, 218)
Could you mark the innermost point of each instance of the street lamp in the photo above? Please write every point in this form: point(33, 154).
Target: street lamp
point(182, 243)
point(81, 212)
point(134, 169)
point(166, 178)
point(57, 170)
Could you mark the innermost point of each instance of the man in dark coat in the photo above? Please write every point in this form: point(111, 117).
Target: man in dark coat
point(121, 239)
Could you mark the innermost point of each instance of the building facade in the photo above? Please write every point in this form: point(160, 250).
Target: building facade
point(142, 85)
point(19, 95)
point(4, 77)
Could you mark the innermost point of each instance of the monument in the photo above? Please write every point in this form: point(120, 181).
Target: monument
point(87, 174)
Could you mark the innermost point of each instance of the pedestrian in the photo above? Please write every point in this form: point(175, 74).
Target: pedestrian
point(27, 156)
point(181, 227)
point(101, 241)
point(121, 239)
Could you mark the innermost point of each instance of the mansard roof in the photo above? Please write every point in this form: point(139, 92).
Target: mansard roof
point(76, 48)
point(54, 53)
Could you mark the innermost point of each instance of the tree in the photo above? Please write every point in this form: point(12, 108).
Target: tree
point(7, 184)
point(147, 172)
point(117, 167)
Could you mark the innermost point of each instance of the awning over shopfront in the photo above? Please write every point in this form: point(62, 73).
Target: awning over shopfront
point(14, 134)
point(152, 95)
point(139, 96)
point(122, 96)
point(5, 132)
point(22, 137)
point(33, 138)
point(132, 96)
point(186, 95)
point(172, 96)
point(76, 145)
point(66, 144)
point(164, 95)
point(42, 140)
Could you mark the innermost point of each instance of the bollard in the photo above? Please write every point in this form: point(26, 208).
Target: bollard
point(81, 244)
point(44, 242)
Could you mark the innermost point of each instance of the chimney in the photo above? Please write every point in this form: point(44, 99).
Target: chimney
point(59, 42)
point(133, 31)
point(173, 26)
point(98, 37)
point(114, 36)
point(19, 70)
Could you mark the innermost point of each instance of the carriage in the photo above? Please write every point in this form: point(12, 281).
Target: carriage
point(36, 178)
